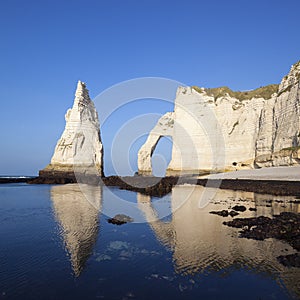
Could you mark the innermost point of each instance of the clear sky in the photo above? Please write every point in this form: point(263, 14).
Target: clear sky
point(46, 46)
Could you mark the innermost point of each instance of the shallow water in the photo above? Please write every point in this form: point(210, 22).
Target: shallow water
point(56, 243)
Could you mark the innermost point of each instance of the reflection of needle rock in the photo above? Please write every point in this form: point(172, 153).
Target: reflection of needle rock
point(78, 219)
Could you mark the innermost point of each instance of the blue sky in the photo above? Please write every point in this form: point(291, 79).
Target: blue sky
point(46, 46)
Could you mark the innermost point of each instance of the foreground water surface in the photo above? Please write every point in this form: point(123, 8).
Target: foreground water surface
point(56, 243)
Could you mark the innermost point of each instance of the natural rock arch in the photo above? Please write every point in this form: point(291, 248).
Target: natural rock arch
point(163, 128)
point(217, 130)
point(161, 156)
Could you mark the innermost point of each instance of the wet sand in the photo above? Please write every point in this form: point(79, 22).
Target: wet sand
point(274, 173)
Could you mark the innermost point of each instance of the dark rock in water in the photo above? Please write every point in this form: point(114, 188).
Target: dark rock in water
point(16, 179)
point(252, 208)
point(120, 219)
point(222, 213)
point(149, 185)
point(239, 208)
point(285, 226)
point(291, 260)
point(54, 177)
point(233, 213)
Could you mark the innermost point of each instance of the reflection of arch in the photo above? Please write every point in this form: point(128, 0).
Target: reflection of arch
point(163, 230)
point(161, 156)
point(78, 219)
point(164, 127)
point(201, 243)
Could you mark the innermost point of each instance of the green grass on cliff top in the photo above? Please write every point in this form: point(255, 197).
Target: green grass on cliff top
point(294, 148)
point(262, 92)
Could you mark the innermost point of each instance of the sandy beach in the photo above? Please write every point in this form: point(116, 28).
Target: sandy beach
point(274, 173)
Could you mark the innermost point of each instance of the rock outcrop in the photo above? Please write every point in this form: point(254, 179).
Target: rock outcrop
point(164, 127)
point(79, 150)
point(222, 130)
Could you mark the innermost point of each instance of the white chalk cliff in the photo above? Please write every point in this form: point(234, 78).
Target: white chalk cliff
point(218, 129)
point(79, 148)
point(164, 127)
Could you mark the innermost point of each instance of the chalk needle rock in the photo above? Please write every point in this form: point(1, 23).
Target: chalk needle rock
point(79, 150)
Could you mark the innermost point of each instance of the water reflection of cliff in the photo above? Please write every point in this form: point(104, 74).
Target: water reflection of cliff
point(201, 243)
point(78, 219)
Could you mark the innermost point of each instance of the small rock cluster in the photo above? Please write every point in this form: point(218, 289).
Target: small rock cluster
point(285, 227)
point(232, 213)
point(120, 219)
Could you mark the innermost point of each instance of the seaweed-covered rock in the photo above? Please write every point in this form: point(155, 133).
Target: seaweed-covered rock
point(120, 219)
point(222, 213)
point(252, 208)
point(285, 226)
point(239, 208)
point(233, 213)
point(291, 260)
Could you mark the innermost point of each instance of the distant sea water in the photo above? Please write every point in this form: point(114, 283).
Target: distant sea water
point(15, 176)
point(57, 245)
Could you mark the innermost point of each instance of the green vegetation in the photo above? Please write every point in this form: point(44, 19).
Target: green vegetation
point(287, 89)
point(262, 92)
point(291, 148)
point(197, 89)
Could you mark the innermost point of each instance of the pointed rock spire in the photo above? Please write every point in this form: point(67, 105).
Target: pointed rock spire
point(79, 148)
point(82, 94)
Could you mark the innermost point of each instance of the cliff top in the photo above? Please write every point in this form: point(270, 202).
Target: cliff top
point(291, 79)
point(265, 92)
point(262, 92)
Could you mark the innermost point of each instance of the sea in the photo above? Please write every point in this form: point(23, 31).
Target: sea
point(57, 243)
point(16, 177)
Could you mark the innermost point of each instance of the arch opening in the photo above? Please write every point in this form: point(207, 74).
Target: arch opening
point(161, 156)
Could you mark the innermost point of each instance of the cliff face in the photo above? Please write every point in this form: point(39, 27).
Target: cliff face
point(278, 140)
point(218, 129)
point(79, 149)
